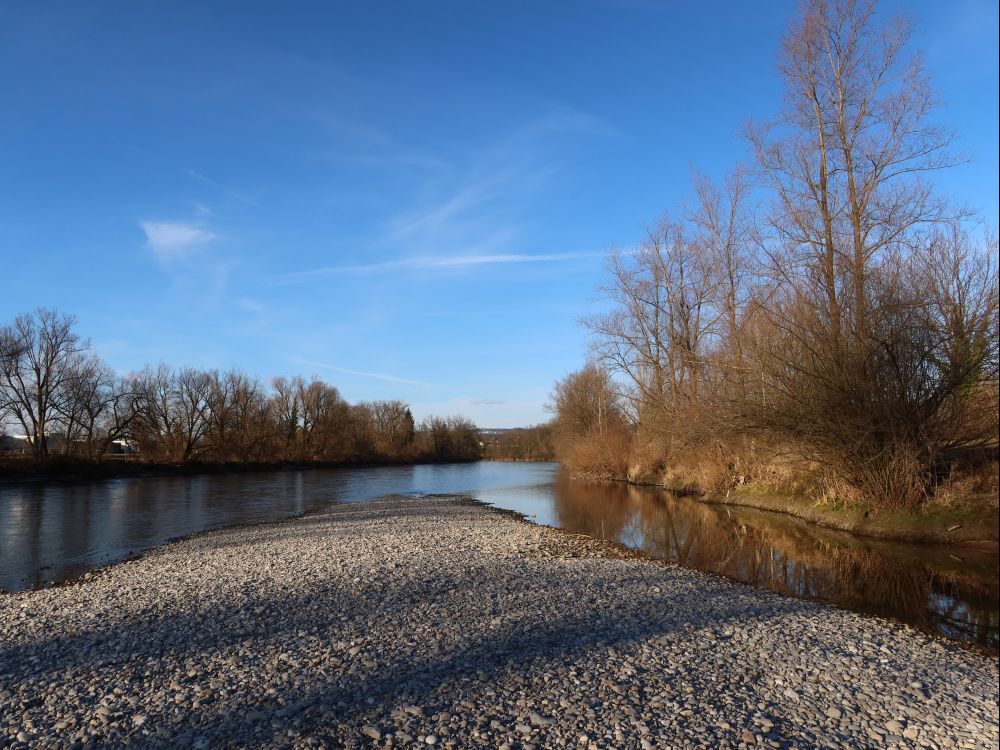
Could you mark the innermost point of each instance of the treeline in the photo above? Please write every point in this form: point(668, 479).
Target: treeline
point(823, 319)
point(520, 444)
point(68, 402)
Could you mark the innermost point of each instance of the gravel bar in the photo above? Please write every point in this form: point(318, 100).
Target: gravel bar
point(439, 621)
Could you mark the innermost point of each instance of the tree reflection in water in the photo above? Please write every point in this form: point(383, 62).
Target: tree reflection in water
point(947, 590)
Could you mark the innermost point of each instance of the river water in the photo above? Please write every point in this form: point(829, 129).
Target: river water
point(53, 532)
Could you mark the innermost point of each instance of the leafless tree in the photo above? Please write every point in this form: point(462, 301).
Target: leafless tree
point(666, 316)
point(848, 372)
point(154, 427)
point(392, 425)
point(192, 408)
point(590, 429)
point(95, 408)
point(724, 226)
point(287, 411)
point(324, 419)
point(37, 367)
point(239, 418)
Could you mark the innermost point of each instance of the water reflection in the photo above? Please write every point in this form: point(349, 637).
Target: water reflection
point(53, 532)
point(950, 590)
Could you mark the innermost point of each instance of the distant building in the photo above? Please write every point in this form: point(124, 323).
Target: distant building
point(122, 447)
point(15, 444)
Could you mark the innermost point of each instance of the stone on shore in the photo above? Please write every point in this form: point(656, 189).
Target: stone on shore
point(438, 621)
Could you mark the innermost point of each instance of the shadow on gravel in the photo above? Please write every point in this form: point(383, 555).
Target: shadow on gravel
point(500, 634)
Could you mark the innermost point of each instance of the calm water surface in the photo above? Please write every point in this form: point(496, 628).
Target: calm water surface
point(54, 532)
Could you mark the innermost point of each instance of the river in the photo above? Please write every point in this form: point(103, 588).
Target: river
point(53, 532)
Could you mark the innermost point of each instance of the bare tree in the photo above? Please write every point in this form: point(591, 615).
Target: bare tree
point(590, 430)
point(725, 228)
point(154, 426)
point(287, 411)
point(241, 424)
point(37, 368)
point(11, 352)
point(192, 408)
point(848, 372)
point(95, 409)
point(325, 415)
point(393, 427)
point(847, 161)
point(664, 322)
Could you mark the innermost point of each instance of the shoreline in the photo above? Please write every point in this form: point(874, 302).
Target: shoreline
point(929, 525)
point(974, 526)
point(608, 547)
point(467, 624)
point(901, 526)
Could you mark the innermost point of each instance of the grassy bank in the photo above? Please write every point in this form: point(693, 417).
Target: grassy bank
point(935, 522)
point(973, 518)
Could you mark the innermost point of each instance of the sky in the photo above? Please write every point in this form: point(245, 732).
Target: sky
point(409, 200)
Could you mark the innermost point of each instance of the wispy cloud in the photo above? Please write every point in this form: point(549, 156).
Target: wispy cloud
point(424, 263)
point(487, 402)
point(374, 375)
point(432, 220)
point(494, 188)
point(212, 183)
point(172, 240)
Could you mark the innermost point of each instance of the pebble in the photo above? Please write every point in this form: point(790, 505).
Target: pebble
point(439, 621)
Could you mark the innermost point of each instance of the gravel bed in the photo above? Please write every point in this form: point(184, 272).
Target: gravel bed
point(407, 622)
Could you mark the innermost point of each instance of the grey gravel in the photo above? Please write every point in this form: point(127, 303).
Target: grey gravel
point(438, 621)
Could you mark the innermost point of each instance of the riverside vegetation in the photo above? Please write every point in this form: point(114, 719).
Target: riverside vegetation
point(72, 408)
point(818, 334)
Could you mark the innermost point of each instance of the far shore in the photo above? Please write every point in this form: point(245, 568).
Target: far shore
point(440, 621)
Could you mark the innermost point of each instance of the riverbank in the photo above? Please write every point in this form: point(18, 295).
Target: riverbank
point(975, 521)
point(400, 622)
point(936, 523)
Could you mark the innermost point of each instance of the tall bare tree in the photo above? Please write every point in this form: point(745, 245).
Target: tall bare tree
point(665, 318)
point(36, 370)
point(724, 226)
point(95, 408)
point(848, 374)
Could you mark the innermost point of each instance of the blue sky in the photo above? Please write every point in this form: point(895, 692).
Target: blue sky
point(407, 199)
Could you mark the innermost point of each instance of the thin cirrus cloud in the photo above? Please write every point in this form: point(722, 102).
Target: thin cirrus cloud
point(212, 183)
point(374, 375)
point(172, 240)
point(430, 262)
